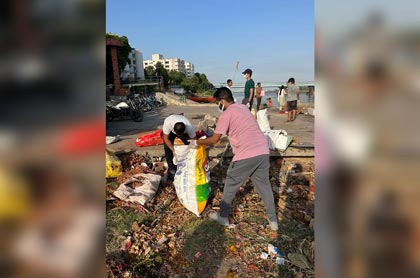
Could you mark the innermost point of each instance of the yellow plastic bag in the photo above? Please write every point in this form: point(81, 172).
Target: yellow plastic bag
point(113, 166)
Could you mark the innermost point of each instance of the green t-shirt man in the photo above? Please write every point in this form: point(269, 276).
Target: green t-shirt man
point(249, 86)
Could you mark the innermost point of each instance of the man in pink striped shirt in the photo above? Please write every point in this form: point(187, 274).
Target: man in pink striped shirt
point(251, 155)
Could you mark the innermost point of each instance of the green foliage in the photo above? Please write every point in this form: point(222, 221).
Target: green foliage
point(122, 54)
point(161, 71)
point(176, 77)
point(149, 71)
point(198, 83)
point(189, 85)
point(117, 221)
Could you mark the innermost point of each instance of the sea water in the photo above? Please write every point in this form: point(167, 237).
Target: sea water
point(304, 97)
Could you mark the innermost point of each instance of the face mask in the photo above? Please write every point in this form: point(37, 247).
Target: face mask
point(221, 107)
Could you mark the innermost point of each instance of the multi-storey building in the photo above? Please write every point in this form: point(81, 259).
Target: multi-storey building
point(134, 70)
point(189, 69)
point(171, 64)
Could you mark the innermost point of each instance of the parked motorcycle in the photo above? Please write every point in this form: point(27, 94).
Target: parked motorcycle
point(124, 109)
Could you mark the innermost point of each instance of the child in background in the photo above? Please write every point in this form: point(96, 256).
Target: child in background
point(270, 102)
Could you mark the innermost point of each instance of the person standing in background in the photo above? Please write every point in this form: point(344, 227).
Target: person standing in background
point(292, 99)
point(270, 102)
point(229, 84)
point(258, 94)
point(248, 99)
point(281, 98)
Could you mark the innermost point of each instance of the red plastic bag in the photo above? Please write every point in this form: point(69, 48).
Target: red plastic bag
point(151, 139)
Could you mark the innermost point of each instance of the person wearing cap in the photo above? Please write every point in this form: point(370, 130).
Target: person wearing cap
point(251, 157)
point(249, 89)
point(175, 126)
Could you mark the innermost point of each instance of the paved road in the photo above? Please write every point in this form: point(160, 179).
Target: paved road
point(302, 129)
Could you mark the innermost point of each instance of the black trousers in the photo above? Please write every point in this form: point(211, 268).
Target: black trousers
point(169, 155)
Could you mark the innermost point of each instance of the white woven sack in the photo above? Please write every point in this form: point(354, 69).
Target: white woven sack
point(186, 178)
point(278, 139)
point(262, 120)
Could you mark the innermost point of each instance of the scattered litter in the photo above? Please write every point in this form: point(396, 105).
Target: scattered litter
point(264, 256)
point(127, 243)
point(159, 230)
point(150, 139)
point(271, 250)
point(162, 240)
point(280, 261)
point(113, 166)
point(207, 125)
point(112, 139)
point(138, 189)
point(278, 252)
point(274, 251)
point(252, 267)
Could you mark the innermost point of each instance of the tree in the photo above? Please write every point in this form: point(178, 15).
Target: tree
point(122, 55)
point(161, 71)
point(197, 83)
point(176, 77)
point(149, 71)
point(189, 85)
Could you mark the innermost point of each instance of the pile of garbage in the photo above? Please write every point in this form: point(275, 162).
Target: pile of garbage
point(161, 238)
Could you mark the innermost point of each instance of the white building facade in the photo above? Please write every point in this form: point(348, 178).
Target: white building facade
point(189, 69)
point(171, 64)
point(134, 70)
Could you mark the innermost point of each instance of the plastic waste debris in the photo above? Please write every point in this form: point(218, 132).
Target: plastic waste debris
point(113, 166)
point(264, 256)
point(280, 261)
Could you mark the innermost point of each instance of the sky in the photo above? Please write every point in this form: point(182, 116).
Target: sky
point(273, 38)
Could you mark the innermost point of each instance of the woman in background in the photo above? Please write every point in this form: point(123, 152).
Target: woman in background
point(281, 98)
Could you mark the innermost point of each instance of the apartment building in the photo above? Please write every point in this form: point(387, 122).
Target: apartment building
point(189, 69)
point(134, 70)
point(171, 64)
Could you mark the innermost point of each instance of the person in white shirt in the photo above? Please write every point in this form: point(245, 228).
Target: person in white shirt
point(281, 98)
point(229, 84)
point(175, 126)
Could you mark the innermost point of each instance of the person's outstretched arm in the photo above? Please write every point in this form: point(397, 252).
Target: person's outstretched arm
point(210, 141)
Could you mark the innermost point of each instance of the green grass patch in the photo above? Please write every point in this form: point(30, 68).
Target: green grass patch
point(120, 219)
point(200, 235)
